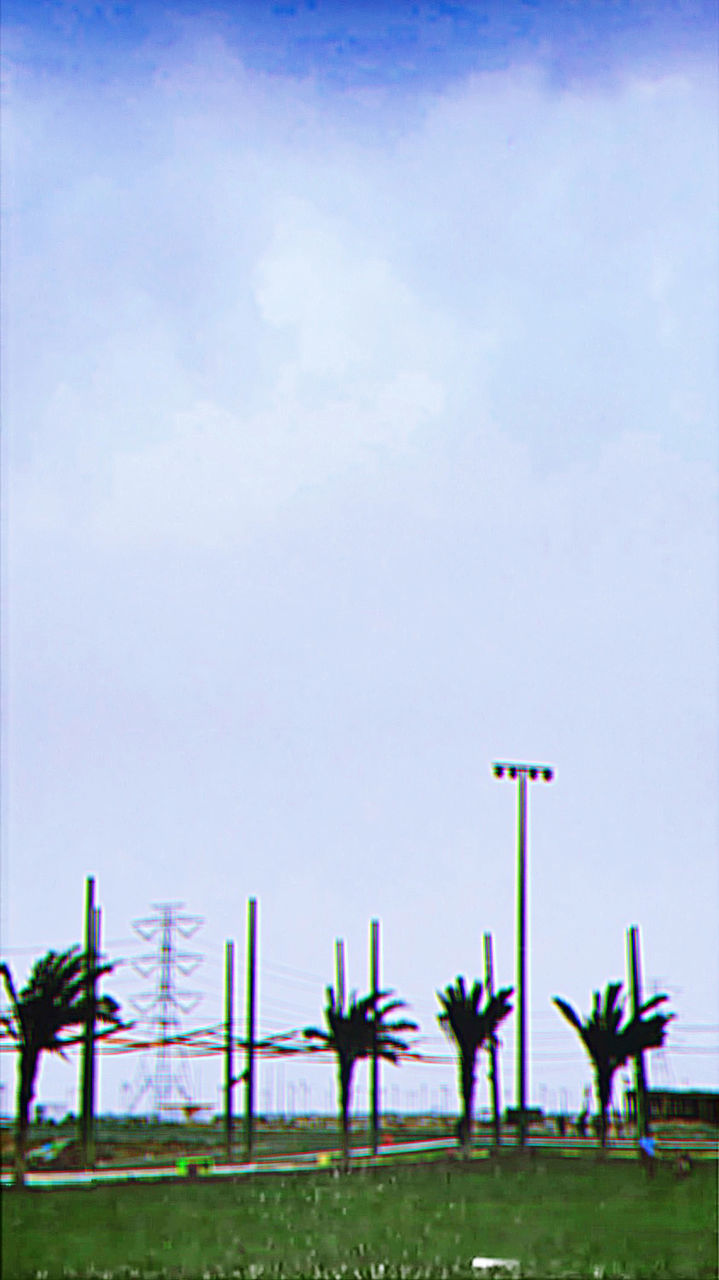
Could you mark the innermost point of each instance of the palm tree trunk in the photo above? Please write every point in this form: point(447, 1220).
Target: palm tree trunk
point(604, 1089)
point(345, 1091)
point(27, 1068)
point(467, 1081)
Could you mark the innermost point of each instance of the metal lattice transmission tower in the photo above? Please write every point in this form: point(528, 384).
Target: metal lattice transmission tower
point(170, 1081)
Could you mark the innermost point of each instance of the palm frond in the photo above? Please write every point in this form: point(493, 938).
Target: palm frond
point(652, 1004)
point(611, 995)
point(612, 1012)
point(499, 1003)
point(643, 1034)
point(609, 1044)
point(9, 987)
point(392, 1007)
point(568, 1012)
point(403, 1025)
point(363, 1027)
point(56, 997)
point(464, 1021)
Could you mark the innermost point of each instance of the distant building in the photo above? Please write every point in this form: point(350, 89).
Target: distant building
point(676, 1104)
point(511, 1115)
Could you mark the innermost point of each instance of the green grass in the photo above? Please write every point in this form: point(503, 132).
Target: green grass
point(560, 1218)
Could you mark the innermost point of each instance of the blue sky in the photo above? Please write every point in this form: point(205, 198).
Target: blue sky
point(360, 394)
point(383, 43)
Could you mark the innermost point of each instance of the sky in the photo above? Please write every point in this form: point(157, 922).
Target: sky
point(360, 403)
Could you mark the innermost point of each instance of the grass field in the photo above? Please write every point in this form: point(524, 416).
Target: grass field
point(558, 1217)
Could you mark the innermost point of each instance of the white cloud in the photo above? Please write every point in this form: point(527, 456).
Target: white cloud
point(537, 261)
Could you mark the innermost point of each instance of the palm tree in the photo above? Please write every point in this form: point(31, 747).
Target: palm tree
point(470, 1027)
point(609, 1044)
point(354, 1034)
point(53, 1000)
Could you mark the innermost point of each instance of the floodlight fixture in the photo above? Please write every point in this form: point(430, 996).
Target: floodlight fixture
point(515, 768)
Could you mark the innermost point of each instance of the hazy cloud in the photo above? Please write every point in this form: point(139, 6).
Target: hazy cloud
point(353, 439)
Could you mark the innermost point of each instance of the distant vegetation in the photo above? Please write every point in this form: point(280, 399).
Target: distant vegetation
point(359, 1032)
point(470, 1027)
point(48, 1015)
point(610, 1042)
point(53, 1002)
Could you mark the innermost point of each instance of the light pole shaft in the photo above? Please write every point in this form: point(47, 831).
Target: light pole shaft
point(524, 773)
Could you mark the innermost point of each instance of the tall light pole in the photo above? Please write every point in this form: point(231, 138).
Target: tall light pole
point(522, 772)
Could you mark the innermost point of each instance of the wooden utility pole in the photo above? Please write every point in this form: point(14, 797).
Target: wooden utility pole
point(87, 1086)
point(229, 1036)
point(522, 959)
point(340, 971)
point(635, 988)
point(493, 1067)
point(374, 986)
point(250, 1001)
point(96, 949)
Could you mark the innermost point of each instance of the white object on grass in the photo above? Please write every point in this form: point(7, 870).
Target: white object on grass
point(498, 1266)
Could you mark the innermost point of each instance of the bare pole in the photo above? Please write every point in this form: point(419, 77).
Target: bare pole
point(340, 971)
point(229, 1033)
point(374, 982)
point(522, 957)
point(250, 999)
point(493, 1066)
point(635, 987)
point(92, 1085)
point(88, 1043)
